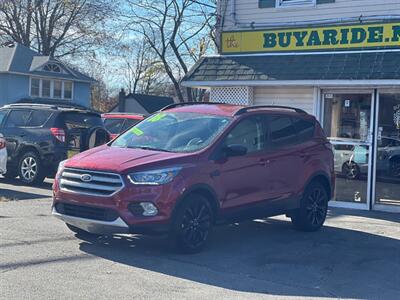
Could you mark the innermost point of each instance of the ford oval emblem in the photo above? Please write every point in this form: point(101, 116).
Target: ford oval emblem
point(86, 177)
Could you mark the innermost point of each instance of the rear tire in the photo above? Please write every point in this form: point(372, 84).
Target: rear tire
point(30, 169)
point(192, 224)
point(80, 233)
point(313, 208)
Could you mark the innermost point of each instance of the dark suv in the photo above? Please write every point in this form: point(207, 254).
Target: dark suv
point(189, 166)
point(39, 136)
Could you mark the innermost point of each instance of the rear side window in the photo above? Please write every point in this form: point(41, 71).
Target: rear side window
point(305, 129)
point(18, 118)
point(114, 126)
point(74, 120)
point(281, 132)
point(39, 118)
point(129, 123)
point(3, 114)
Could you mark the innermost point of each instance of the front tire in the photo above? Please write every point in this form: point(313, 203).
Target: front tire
point(351, 170)
point(30, 169)
point(192, 224)
point(313, 208)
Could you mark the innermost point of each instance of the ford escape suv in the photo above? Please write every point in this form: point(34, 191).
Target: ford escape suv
point(41, 135)
point(188, 167)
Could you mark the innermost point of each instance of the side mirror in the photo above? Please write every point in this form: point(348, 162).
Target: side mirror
point(234, 150)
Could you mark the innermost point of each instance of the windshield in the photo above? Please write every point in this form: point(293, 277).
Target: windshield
point(173, 132)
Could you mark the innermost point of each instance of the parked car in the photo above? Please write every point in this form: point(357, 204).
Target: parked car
point(116, 123)
point(3, 155)
point(39, 136)
point(209, 163)
point(388, 159)
point(351, 160)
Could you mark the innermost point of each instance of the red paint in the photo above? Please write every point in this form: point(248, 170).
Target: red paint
point(267, 177)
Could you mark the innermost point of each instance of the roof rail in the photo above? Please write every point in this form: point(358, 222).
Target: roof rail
point(30, 105)
point(124, 113)
point(190, 103)
point(246, 109)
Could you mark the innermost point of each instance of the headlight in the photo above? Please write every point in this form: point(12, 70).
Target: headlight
point(154, 177)
point(60, 167)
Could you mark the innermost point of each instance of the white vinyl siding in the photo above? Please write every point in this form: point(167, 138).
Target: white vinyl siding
point(299, 97)
point(247, 11)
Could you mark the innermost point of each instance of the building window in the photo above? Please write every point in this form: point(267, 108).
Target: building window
point(290, 3)
point(57, 89)
point(51, 88)
point(35, 87)
point(67, 89)
point(46, 88)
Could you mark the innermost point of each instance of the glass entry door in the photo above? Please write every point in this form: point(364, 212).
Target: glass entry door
point(347, 121)
point(387, 154)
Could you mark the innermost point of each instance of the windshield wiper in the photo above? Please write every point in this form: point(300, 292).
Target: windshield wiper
point(150, 148)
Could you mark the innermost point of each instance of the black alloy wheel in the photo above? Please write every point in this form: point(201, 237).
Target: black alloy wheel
point(313, 208)
point(193, 223)
point(351, 170)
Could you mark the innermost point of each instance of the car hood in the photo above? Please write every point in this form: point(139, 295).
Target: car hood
point(120, 160)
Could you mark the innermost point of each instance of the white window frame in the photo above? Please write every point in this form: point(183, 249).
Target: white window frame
point(295, 3)
point(51, 88)
point(62, 71)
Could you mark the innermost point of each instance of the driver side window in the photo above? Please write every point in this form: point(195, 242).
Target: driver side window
point(248, 133)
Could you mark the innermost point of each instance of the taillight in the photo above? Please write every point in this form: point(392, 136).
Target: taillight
point(2, 143)
point(58, 133)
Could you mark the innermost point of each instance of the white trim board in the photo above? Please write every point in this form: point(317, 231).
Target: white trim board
point(321, 83)
point(302, 53)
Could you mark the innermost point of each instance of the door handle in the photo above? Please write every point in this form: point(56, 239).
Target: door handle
point(303, 154)
point(215, 173)
point(263, 162)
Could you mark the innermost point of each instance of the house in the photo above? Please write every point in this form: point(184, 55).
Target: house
point(25, 73)
point(336, 59)
point(140, 104)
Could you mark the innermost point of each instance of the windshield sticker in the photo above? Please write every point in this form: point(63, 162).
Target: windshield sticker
point(136, 131)
point(157, 117)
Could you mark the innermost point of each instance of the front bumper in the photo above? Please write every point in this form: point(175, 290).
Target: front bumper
point(94, 226)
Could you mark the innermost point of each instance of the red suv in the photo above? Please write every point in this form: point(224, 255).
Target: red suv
point(210, 162)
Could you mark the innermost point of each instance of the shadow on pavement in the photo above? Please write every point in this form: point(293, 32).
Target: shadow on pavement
point(338, 212)
point(16, 182)
point(15, 195)
point(270, 257)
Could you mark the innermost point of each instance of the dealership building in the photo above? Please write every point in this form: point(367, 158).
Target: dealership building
point(336, 59)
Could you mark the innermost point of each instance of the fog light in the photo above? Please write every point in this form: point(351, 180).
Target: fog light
point(149, 209)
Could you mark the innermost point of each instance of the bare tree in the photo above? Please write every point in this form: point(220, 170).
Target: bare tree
point(176, 31)
point(55, 27)
point(142, 69)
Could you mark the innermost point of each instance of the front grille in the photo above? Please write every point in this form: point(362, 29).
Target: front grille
point(87, 212)
point(90, 182)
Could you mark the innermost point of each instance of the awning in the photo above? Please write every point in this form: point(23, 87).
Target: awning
point(337, 68)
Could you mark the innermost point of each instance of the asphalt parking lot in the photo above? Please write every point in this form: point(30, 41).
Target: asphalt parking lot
point(356, 255)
